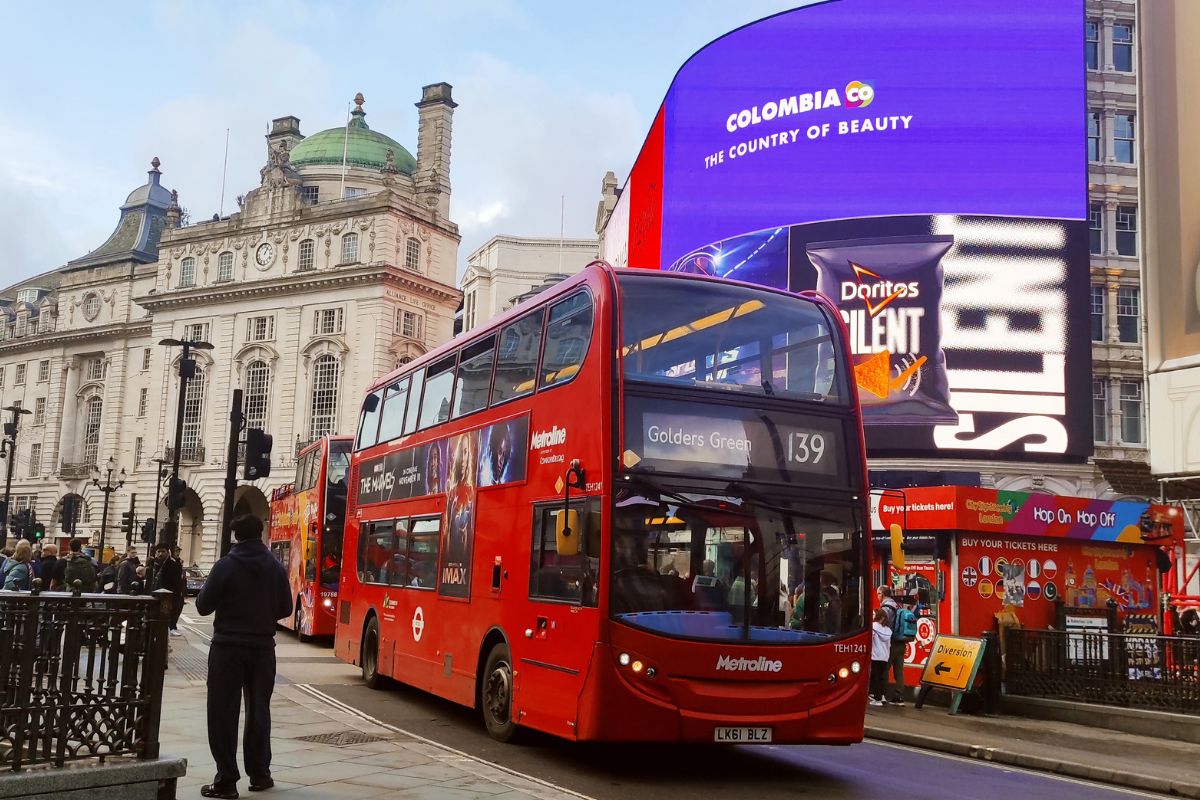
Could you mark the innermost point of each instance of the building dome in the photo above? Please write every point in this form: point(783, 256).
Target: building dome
point(362, 147)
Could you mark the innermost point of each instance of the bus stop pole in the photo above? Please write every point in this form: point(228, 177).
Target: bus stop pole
point(231, 463)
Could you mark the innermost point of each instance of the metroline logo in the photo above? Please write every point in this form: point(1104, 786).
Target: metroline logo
point(551, 438)
point(760, 664)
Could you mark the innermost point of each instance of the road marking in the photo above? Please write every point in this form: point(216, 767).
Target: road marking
point(349, 709)
point(1011, 768)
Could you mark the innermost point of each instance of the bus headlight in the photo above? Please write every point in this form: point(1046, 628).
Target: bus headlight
point(636, 666)
point(623, 659)
point(843, 673)
point(329, 604)
point(856, 667)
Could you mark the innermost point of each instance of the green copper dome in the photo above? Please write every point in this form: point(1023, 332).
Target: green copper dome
point(362, 146)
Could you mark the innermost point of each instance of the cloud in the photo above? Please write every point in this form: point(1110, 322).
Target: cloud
point(524, 142)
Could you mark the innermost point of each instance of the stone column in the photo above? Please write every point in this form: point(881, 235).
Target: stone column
point(68, 437)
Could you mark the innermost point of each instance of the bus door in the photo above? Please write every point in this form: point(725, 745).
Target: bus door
point(560, 633)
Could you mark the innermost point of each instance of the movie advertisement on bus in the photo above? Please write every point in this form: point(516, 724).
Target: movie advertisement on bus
point(871, 165)
point(455, 466)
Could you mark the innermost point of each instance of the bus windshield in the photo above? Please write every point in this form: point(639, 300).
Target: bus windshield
point(693, 333)
point(736, 567)
point(335, 512)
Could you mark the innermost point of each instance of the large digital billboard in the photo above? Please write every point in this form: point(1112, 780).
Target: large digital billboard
point(923, 164)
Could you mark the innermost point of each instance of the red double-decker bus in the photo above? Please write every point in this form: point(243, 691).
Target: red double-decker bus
point(307, 520)
point(632, 508)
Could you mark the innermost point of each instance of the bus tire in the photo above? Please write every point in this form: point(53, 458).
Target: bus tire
point(298, 622)
point(370, 656)
point(496, 694)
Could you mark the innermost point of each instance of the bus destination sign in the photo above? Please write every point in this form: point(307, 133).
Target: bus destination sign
point(731, 442)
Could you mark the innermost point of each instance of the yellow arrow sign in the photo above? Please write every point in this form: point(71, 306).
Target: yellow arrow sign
point(953, 662)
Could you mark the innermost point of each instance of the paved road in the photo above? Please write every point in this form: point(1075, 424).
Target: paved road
point(606, 772)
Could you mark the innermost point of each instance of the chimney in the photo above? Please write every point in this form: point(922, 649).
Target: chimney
point(432, 178)
point(285, 130)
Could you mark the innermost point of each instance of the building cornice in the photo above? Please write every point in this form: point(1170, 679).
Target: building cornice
point(376, 203)
point(42, 341)
point(322, 281)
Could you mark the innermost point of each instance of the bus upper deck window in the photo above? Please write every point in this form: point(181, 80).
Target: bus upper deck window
point(567, 335)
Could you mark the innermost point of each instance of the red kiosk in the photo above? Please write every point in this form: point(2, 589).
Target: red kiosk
point(968, 552)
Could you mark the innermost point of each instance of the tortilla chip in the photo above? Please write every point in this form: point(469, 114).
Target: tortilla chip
point(874, 374)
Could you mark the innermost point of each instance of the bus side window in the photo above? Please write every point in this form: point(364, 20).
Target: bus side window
point(301, 472)
point(567, 337)
point(517, 358)
point(398, 557)
point(553, 576)
point(391, 424)
point(423, 552)
point(474, 378)
point(375, 547)
point(439, 387)
point(410, 417)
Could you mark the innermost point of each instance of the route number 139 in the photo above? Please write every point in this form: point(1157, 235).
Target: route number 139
point(805, 448)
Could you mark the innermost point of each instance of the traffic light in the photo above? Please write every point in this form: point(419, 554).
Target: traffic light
point(176, 490)
point(21, 524)
point(39, 531)
point(127, 524)
point(148, 527)
point(258, 454)
point(66, 519)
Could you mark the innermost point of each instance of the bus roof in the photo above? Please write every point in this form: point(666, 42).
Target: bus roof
point(549, 295)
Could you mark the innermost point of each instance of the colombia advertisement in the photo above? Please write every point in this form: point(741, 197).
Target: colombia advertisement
point(888, 154)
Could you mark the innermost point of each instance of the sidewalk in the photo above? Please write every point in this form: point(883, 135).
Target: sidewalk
point(1077, 751)
point(372, 761)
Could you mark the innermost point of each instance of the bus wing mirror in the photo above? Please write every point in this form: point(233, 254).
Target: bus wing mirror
point(566, 532)
point(897, 537)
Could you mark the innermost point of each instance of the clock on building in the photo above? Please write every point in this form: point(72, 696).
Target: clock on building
point(265, 254)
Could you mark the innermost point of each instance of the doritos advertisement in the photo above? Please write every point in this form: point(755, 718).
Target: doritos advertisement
point(889, 291)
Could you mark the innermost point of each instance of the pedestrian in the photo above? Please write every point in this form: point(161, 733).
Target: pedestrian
point(881, 652)
point(108, 575)
point(249, 591)
point(140, 583)
point(891, 609)
point(168, 574)
point(127, 574)
point(18, 574)
point(78, 567)
point(50, 566)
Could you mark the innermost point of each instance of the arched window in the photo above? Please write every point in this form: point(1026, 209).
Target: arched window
point(193, 419)
point(187, 272)
point(304, 258)
point(323, 408)
point(92, 414)
point(350, 248)
point(258, 392)
point(412, 255)
point(225, 267)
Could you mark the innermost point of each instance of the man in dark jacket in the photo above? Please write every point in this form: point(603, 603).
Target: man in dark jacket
point(168, 574)
point(248, 589)
point(127, 573)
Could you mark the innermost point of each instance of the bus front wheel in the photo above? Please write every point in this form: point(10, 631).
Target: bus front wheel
point(370, 656)
point(497, 694)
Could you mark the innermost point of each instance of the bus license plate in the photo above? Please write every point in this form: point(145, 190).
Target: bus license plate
point(742, 735)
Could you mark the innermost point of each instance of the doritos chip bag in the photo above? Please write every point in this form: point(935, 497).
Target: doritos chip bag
point(889, 291)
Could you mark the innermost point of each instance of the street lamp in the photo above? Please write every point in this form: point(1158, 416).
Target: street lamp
point(187, 368)
point(108, 487)
point(8, 449)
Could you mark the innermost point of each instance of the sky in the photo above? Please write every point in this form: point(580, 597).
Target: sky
point(551, 96)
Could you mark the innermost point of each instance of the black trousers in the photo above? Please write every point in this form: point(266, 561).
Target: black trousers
point(879, 681)
point(896, 663)
point(236, 672)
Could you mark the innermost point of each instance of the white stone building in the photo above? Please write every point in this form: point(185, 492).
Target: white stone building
point(337, 267)
point(507, 269)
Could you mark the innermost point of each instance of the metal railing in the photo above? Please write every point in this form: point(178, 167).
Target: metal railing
point(191, 454)
point(1118, 669)
point(81, 676)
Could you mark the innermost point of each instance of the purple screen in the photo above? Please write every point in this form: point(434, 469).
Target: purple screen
point(993, 94)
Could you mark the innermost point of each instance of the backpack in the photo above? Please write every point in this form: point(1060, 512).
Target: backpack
point(79, 568)
point(904, 625)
